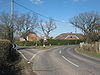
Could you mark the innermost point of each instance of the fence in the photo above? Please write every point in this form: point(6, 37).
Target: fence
point(91, 47)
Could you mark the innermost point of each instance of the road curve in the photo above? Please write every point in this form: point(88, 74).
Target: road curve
point(64, 61)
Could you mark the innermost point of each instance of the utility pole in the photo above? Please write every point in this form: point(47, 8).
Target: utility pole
point(12, 11)
point(12, 7)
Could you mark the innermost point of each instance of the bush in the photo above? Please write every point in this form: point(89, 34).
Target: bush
point(9, 59)
point(28, 43)
point(48, 42)
point(20, 43)
point(63, 42)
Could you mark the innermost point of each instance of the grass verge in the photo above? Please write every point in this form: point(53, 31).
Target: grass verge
point(43, 48)
point(26, 68)
point(90, 53)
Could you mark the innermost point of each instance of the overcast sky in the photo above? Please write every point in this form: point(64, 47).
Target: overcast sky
point(62, 10)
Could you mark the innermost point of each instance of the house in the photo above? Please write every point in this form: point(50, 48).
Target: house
point(70, 36)
point(31, 37)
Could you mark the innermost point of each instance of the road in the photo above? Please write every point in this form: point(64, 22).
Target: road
point(62, 61)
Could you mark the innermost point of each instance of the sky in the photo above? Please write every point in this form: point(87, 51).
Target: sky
point(61, 10)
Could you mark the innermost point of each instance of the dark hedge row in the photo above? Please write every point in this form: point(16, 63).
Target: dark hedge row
point(9, 59)
point(63, 42)
point(48, 42)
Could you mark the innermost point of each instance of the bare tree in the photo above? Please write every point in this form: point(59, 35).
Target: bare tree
point(26, 24)
point(8, 25)
point(47, 27)
point(87, 22)
point(22, 24)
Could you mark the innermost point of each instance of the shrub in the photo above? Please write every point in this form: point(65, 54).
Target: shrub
point(48, 42)
point(63, 42)
point(8, 59)
point(20, 43)
point(28, 43)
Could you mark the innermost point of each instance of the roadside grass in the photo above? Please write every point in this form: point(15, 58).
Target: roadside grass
point(26, 68)
point(23, 67)
point(90, 53)
point(43, 48)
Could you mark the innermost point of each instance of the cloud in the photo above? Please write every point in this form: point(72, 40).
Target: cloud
point(36, 1)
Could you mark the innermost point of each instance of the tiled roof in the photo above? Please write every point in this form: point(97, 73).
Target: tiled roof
point(65, 35)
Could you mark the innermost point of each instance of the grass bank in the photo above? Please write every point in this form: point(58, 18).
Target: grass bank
point(90, 53)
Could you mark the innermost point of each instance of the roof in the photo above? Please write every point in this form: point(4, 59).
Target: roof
point(66, 36)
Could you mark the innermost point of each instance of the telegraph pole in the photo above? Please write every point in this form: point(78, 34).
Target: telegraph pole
point(12, 11)
point(12, 7)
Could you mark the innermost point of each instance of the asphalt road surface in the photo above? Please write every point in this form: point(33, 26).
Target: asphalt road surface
point(61, 61)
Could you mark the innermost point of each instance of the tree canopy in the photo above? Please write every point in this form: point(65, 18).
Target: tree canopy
point(88, 23)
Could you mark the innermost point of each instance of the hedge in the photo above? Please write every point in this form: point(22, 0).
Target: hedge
point(63, 42)
point(48, 42)
point(9, 59)
point(28, 43)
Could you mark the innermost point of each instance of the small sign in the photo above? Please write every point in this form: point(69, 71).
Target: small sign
point(45, 38)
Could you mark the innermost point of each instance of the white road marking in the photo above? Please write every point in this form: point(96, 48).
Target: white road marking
point(33, 57)
point(23, 55)
point(60, 51)
point(26, 58)
point(70, 61)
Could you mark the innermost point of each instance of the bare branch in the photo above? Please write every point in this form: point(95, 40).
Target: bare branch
point(47, 27)
point(87, 22)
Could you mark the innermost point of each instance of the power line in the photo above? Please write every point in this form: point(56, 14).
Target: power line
point(36, 12)
point(29, 9)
